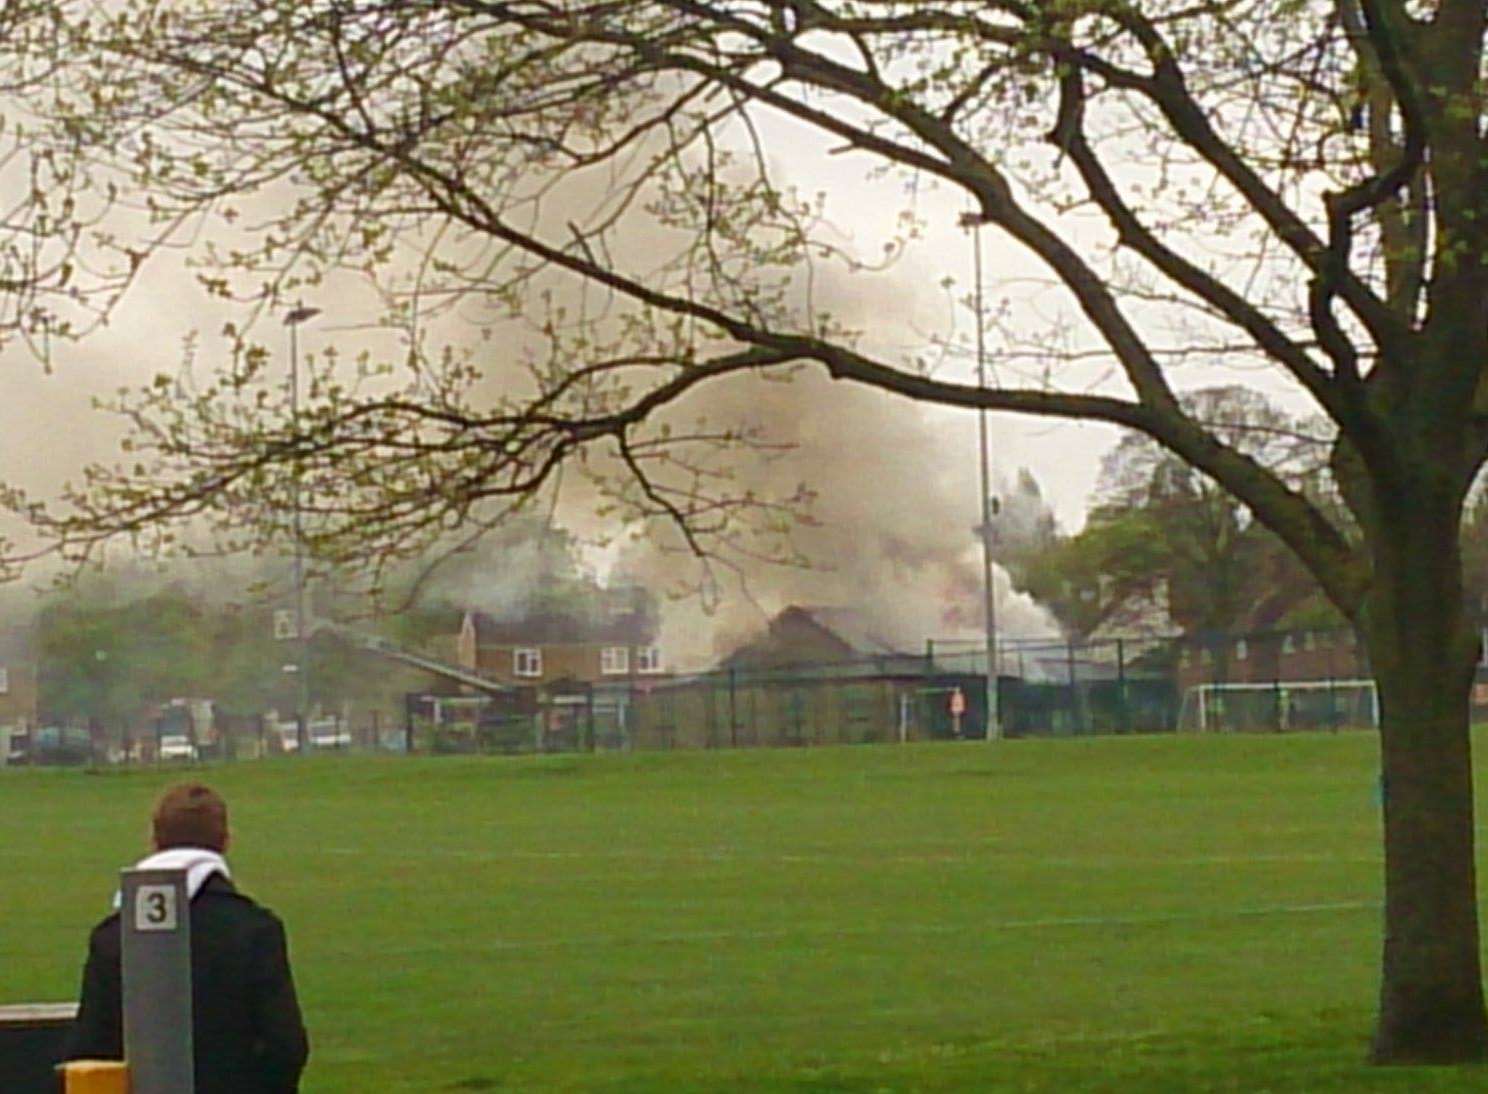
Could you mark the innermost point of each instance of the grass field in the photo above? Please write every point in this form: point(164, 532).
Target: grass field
point(1138, 914)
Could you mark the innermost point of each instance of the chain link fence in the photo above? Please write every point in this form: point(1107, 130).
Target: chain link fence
point(1277, 681)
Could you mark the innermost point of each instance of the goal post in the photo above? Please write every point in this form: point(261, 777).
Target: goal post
point(1279, 706)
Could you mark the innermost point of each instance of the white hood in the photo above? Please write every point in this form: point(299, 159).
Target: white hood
point(198, 862)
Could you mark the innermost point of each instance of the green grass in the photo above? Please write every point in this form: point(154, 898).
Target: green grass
point(1139, 914)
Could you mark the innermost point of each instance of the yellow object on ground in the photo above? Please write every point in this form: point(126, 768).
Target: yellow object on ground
point(94, 1077)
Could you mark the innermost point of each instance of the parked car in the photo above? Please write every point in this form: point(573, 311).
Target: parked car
point(59, 745)
point(176, 747)
point(324, 733)
point(18, 748)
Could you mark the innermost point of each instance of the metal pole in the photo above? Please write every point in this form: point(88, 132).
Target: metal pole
point(302, 707)
point(989, 590)
point(733, 692)
point(1076, 721)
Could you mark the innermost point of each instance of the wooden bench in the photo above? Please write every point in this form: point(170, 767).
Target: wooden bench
point(31, 1037)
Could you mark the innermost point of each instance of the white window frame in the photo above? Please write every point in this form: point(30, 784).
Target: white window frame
point(648, 659)
point(4, 680)
point(1288, 644)
point(614, 660)
point(527, 662)
point(1242, 650)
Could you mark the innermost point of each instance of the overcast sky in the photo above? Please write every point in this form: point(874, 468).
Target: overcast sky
point(51, 430)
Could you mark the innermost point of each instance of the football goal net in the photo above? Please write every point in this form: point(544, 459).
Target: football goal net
point(1279, 707)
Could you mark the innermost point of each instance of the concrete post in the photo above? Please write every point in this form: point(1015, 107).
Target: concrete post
point(155, 918)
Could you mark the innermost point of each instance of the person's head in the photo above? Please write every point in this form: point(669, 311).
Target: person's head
point(190, 815)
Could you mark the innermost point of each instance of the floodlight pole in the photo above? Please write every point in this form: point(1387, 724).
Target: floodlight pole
point(298, 315)
point(989, 588)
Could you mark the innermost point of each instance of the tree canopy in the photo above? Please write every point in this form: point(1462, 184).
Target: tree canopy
point(1163, 545)
point(501, 146)
point(1292, 186)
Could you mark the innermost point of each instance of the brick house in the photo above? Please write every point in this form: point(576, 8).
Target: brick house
point(1333, 661)
point(574, 668)
point(1288, 656)
point(610, 642)
point(18, 688)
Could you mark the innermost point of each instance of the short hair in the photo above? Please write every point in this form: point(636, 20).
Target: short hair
point(190, 815)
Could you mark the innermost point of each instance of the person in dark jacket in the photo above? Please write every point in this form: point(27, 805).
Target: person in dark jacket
point(247, 1032)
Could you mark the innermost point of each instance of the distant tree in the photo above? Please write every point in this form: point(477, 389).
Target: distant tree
point(1106, 575)
point(1160, 533)
point(1299, 185)
point(1223, 571)
point(107, 660)
point(247, 675)
point(112, 650)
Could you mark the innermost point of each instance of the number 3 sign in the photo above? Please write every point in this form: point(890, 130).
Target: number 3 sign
point(155, 908)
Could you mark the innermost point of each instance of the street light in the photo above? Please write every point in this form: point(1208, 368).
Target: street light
point(974, 221)
point(298, 315)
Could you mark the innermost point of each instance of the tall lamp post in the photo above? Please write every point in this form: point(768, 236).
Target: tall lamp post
point(973, 221)
point(299, 314)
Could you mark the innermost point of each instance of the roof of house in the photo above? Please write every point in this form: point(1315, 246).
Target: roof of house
point(622, 619)
point(853, 627)
point(802, 635)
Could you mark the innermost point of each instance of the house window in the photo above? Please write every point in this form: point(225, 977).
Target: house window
point(1242, 651)
point(284, 624)
point(4, 680)
point(648, 659)
point(1309, 641)
point(527, 662)
point(1288, 645)
point(614, 660)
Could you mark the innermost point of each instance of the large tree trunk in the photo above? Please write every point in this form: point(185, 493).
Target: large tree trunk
point(1423, 650)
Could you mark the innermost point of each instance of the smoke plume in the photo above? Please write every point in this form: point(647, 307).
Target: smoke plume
point(893, 534)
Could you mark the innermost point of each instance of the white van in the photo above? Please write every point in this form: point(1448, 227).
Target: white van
point(177, 747)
